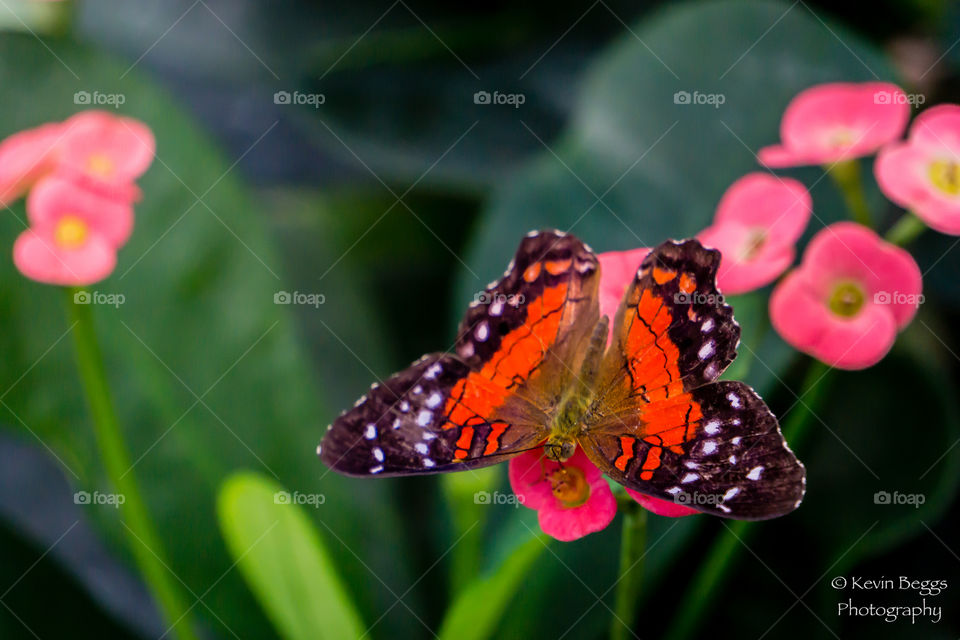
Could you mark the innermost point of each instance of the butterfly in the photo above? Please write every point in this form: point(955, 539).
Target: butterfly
point(531, 368)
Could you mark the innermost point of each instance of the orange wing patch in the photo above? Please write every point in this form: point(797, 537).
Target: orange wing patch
point(653, 358)
point(521, 350)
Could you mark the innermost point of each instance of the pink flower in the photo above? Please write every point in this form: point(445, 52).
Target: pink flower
point(26, 157)
point(758, 221)
point(73, 236)
point(108, 151)
point(848, 299)
point(571, 500)
point(830, 123)
point(923, 173)
point(103, 151)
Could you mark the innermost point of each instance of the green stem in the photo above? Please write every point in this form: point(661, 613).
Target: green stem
point(846, 175)
point(905, 230)
point(701, 593)
point(145, 544)
point(632, 549)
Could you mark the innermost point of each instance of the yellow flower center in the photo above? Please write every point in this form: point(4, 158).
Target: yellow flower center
point(841, 138)
point(70, 232)
point(847, 299)
point(569, 486)
point(100, 164)
point(945, 175)
point(750, 248)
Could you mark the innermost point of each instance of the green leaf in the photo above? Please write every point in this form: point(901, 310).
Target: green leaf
point(476, 612)
point(284, 561)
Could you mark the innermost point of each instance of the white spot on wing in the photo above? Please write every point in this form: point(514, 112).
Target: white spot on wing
point(674, 490)
point(371, 432)
point(433, 371)
point(427, 462)
point(707, 325)
point(690, 477)
point(378, 454)
point(404, 406)
point(482, 332)
point(424, 418)
point(360, 401)
point(706, 350)
point(709, 447)
point(712, 427)
point(319, 449)
point(731, 493)
point(421, 448)
point(376, 469)
point(754, 473)
point(734, 400)
point(496, 308)
point(736, 441)
point(434, 400)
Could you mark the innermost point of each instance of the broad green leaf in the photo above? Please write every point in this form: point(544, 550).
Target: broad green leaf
point(476, 612)
point(208, 373)
point(284, 561)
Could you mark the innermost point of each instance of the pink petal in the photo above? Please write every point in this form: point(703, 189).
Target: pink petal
point(839, 121)
point(661, 507)
point(592, 516)
point(54, 197)
point(782, 206)
point(527, 473)
point(739, 275)
point(938, 128)
point(779, 157)
point(38, 258)
point(25, 157)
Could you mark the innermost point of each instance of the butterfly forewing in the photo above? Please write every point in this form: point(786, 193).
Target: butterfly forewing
point(659, 422)
point(493, 394)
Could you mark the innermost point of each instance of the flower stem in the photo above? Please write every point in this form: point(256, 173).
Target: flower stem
point(632, 551)
point(846, 175)
point(905, 230)
point(143, 540)
point(726, 547)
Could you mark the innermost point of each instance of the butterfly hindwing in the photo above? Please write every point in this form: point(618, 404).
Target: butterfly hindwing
point(719, 451)
point(491, 396)
point(661, 424)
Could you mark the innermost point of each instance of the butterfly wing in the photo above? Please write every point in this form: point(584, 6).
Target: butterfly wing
point(493, 395)
point(661, 424)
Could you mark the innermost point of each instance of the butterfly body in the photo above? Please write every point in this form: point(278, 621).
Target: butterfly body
point(532, 367)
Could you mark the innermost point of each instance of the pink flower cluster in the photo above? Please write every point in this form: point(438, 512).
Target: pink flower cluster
point(846, 301)
point(79, 178)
